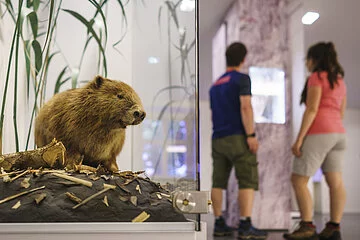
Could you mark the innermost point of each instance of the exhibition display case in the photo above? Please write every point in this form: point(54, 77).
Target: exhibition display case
point(150, 45)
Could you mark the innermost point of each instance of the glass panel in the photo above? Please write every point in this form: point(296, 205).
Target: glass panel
point(164, 76)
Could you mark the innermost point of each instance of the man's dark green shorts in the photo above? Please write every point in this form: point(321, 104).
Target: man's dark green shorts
point(233, 151)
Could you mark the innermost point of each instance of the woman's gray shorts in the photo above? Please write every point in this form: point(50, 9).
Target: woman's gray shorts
point(321, 150)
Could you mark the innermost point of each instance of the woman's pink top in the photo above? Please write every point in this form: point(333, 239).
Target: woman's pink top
point(328, 118)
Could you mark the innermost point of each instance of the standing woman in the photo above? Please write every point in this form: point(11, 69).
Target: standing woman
point(321, 140)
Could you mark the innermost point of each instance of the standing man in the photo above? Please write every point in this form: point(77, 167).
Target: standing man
point(234, 143)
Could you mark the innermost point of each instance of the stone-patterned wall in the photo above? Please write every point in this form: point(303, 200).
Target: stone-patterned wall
point(262, 26)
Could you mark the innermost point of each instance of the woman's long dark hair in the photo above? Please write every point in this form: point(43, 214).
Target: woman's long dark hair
point(323, 56)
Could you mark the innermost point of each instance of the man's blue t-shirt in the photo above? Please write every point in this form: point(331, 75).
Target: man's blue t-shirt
point(225, 103)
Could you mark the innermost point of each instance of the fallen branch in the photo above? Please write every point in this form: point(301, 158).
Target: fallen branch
point(107, 187)
point(10, 173)
point(47, 171)
point(49, 156)
point(74, 179)
point(20, 175)
point(20, 194)
point(73, 198)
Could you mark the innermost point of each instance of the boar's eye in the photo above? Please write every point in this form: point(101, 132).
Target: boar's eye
point(120, 96)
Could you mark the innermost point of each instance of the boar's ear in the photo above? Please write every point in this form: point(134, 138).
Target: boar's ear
point(97, 82)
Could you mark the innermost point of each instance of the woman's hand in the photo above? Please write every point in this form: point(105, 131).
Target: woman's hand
point(296, 147)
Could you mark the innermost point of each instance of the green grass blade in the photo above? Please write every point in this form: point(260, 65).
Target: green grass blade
point(87, 24)
point(126, 23)
point(27, 66)
point(58, 80)
point(38, 55)
point(16, 90)
point(51, 12)
point(123, 10)
point(9, 5)
point(29, 3)
point(99, 10)
point(84, 50)
point(18, 27)
point(34, 23)
point(36, 4)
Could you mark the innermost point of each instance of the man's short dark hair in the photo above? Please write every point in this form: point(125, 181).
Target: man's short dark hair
point(235, 54)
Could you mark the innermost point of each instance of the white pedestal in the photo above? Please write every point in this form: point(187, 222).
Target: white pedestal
point(96, 231)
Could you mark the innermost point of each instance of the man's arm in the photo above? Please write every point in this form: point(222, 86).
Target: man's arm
point(247, 114)
point(247, 117)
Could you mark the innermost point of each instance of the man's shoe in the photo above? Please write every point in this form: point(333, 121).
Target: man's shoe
point(306, 231)
point(330, 232)
point(247, 231)
point(221, 228)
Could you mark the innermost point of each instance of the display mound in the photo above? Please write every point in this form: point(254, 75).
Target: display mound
point(85, 196)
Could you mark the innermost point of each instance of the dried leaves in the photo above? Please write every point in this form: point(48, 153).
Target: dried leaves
point(17, 205)
point(105, 201)
point(142, 217)
point(39, 198)
point(138, 188)
point(25, 183)
point(133, 200)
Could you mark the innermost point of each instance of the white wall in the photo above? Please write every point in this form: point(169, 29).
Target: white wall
point(6, 33)
point(296, 42)
point(352, 160)
point(296, 39)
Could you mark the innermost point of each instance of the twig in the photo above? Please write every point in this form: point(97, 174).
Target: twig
point(73, 197)
point(80, 168)
point(20, 194)
point(10, 173)
point(20, 175)
point(73, 179)
point(109, 186)
point(47, 171)
point(92, 196)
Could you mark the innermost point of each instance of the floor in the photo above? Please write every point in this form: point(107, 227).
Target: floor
point(350, 227)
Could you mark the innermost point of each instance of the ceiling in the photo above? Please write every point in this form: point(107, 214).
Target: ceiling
point(211, 13)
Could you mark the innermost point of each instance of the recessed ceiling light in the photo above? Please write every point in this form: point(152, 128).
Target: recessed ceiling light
point(310, 17)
